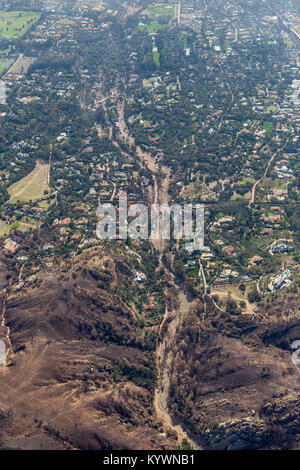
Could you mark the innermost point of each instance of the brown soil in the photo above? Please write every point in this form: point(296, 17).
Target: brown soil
point(233, 380)
point(65, 384)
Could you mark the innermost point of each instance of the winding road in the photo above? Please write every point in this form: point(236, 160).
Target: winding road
point(252, 200)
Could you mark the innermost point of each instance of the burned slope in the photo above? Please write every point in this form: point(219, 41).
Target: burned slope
point(234, 384)
point(81, 372)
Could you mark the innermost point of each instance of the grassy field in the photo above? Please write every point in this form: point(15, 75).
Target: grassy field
point(235, 293)
point(156, 56)
point(162, 10)
point(247, 179)
point(4, 228)
point(239, 196)
point(14, 24)
point(153, 27)
point(267, 126)
point(24, 226)
point(46, 203)
point(32, 186)
point(5, 64)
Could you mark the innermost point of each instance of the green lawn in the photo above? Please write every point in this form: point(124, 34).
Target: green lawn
point(14, 24)
point(247, 179)
point(239, 196)
point(162, 10)
point(152, 27)
point(267, 126)
point(156, 58)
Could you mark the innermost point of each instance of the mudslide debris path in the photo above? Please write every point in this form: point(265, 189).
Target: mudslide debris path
point(160, 195)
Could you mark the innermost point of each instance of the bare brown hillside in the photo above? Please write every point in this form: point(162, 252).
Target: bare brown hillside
point(81, 374)
point(233, 381)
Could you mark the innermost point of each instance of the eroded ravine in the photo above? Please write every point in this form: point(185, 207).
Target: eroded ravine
point(174, 318)
point(5, 329)
point(164, 349)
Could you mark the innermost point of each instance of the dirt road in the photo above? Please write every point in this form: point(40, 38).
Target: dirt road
point(262, 178)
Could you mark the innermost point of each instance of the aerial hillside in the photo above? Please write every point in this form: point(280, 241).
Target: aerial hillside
point(81, 372)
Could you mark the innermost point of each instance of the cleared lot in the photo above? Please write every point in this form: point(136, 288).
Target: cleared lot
point(32, 186)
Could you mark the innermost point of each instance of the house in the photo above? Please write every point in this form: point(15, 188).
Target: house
point(150, 305)
point(11, 245)
point(83, 221)
point(273, 219)
point(255, 260)
point(229, 250)
point(48, 247)
point(267, 231)
point(139, 277)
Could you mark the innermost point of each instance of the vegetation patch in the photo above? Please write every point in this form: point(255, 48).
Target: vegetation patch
point(4, 228)
point(156, 58)
point(152, 27)
point(162, 10)
point(32, 186)
point(141, 376)
point(297, 28)
point(267, 126)
point(5, 64)
point(14, 24)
